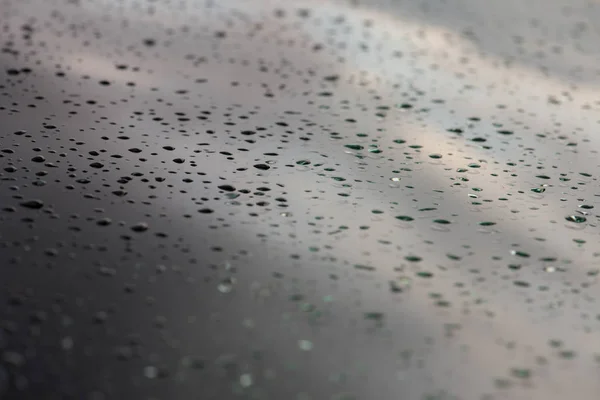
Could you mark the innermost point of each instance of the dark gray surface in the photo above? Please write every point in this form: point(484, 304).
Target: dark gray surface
point(317, 200)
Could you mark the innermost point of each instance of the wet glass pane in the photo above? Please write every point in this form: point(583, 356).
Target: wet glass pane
point(303, 200)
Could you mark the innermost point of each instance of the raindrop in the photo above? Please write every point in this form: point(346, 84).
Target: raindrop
point(32, 204)
point(140, 227)
point(305, 345)
point(578, 219)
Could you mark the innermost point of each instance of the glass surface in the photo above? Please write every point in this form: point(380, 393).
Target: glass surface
point(300, 200)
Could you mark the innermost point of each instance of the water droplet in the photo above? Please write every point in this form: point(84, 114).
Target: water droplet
point(246, 380)
point(521, 373)
point(226, 285)
point(227, 188)
point(425, 274)
point(32, 204)
point(140, 227)
point(150, 372)
point(305, 345)
point(578, 219)
point(354, 146)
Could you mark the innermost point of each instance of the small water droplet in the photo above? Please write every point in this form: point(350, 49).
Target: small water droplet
point(150, 372)
point(32, 204)
point(140, 227)
point(226, 285)
point(578, 219)
point(305, 345)
point(246, 380)
point(354, 146)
